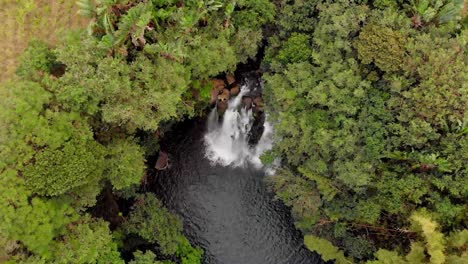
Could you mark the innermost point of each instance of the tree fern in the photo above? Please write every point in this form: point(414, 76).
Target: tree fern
point(439, 11)
point(101, 13)
point(170, 50)
point(451, 11)
point(133, 25)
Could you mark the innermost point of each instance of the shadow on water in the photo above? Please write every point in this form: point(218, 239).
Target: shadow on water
point(227, 211)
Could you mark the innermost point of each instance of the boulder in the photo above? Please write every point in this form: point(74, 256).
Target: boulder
point(247, 102)
point(224, 95)
point(218, 87)
point(214, 96)
point(163, 161)
point(258, 101)
point(235, 90)
point(258, 104)
point(221, 107)
point(218, 83)
point(230, 78)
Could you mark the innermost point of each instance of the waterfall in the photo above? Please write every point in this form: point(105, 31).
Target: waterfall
point(226, 140)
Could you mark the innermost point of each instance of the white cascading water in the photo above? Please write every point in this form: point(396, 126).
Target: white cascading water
point(227, 141)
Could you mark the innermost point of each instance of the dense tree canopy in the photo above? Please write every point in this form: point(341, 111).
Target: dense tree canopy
point(72, 120)
point(367, 98)
point(150, 220)
point(369, 104)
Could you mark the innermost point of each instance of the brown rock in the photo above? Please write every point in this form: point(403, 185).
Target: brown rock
point(247, 102)
point(218, 83)
point(218, 87)
point(230, 78)
point(163, 162)
point(258, 101)
point(214, 96)
point(235, 90)
point(224, 96)
point(258, 104)
point(222, 106)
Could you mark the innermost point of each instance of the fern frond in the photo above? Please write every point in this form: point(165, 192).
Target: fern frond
point(133, 24)
point(86, 8)
point(451, 11)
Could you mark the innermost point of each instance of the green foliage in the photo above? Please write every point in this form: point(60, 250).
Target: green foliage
point(150, 220)
point(295, 49)
point(18, 111)
point(69, 119)
point(368, 100)
point(434, 250)
point(295, 192)
point(142, 61)
point(86, 8)
point(146, 258)
point(212, 57)
point(204, 88)
point(38, 58)
point(436, 11)
point(81, 88)
point(89, 242)
point(125, 164)
point(326, 249)
point(387, 257)
point(435, 243)
point(133, 24)
point(253, 14)
point(187, 253)
point(29, 124)
point(298, 15)
point(358, 246)
point(371, 124)
point(35, 222)
point(383, 4)
point(416, 255)
point(154, 223)
point(54, 172)
point(458, 239)
point(381, 45)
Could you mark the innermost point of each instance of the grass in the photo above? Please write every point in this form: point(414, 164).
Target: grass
point(24, 20)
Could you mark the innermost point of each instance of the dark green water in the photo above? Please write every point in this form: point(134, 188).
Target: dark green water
point(227, 211)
